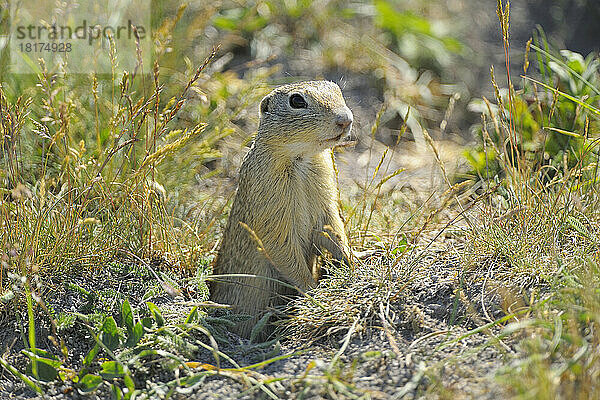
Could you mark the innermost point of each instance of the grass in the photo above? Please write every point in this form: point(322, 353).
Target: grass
point(533, 241)
point(115, 189)
point(538, 234)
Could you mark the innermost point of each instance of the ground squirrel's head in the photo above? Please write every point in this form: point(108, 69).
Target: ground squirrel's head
point(305, 118)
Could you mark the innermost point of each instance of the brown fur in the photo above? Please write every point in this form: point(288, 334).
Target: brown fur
point(287, 196)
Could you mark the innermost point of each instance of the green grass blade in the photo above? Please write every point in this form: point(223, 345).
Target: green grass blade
point(481, 328)
point(593, 109)
point(30, 383)
point(564, 132)
point(565, 66)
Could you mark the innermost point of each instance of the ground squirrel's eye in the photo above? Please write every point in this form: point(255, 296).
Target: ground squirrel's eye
point(297, 101)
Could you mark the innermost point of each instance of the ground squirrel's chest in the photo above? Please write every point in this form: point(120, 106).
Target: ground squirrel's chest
point(307, 194)
point(315, 179)
point(300, 186)
point(294, 195)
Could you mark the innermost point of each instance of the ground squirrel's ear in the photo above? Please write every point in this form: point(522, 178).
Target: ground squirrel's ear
point(264, 104)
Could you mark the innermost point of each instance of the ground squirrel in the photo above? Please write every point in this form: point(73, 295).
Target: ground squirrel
point(287, 196)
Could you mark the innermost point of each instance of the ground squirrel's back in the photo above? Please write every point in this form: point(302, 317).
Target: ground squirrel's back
point(287, 197)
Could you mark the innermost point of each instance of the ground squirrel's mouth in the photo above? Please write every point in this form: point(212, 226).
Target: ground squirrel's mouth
point(344, 135)
point(344, 139)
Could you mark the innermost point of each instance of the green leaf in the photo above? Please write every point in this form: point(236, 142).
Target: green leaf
point(89, 383)
point(110, 334)
point(147, 322)
point(40, 354)
point(160, 321)
point(46, 365)
point(129, 384)
point(193, 380)
point(193, 316)
point(115, 392)
point(135, 335)
point(127, 315)
point(45, 370)
point(91, 355)
point(66, 375)
point(224, 23)
point(111, 370)
point(110, 326)
point(259, 327)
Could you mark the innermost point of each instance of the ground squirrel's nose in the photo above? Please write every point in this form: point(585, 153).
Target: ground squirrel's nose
point(344, 118)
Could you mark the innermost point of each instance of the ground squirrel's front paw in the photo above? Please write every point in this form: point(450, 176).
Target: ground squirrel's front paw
point(309, 285)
